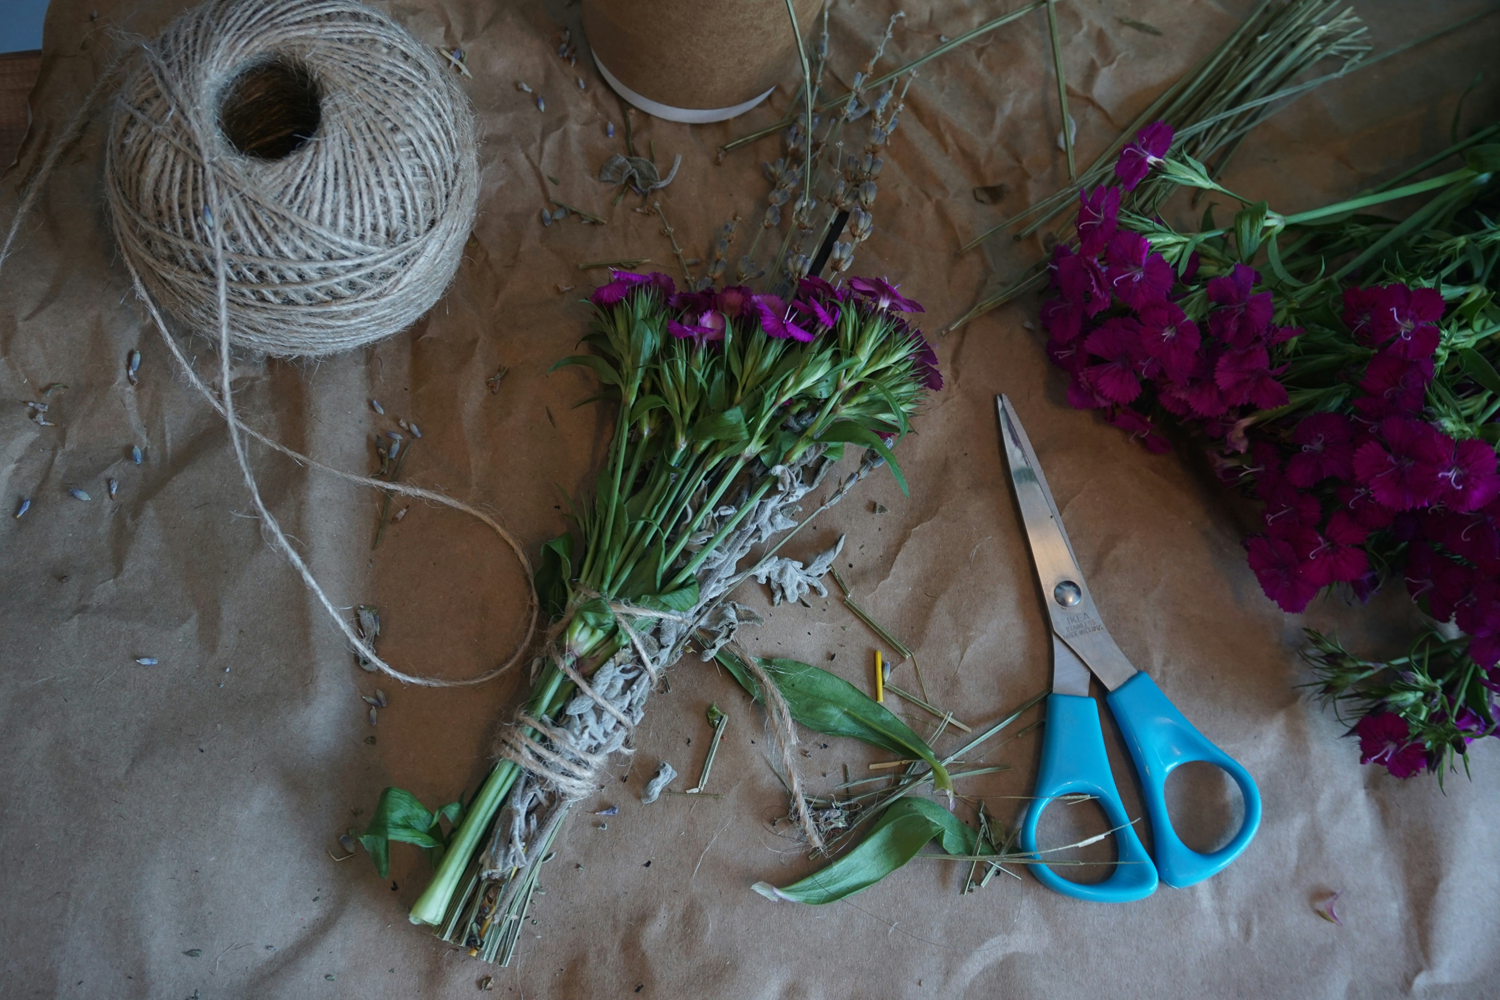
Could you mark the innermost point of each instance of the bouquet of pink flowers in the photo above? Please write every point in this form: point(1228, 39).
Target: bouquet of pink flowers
point(1340, 367)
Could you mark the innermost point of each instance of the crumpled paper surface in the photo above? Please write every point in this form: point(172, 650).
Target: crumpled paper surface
point(168, 831)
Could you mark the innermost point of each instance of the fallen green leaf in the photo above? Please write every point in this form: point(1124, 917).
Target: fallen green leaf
point(894, 840)
point(401, 817)
point(830, 705)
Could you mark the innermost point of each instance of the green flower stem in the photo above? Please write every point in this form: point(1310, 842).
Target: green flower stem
point(669, 510)
point(1355, 204)
point(676, 504)
point(552, 691)
point(710, 504)
point(686, 573)
point(432, 906)
point(642, 530)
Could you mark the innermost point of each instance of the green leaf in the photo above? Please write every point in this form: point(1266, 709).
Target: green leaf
point(553, 574)
point(606, 372)
point(903, 830)
point(1273, 253)
point(683, 599)
point(849, 431)
point(1484, 159)
point(595, 614)
point(398, 816)
point(726, 426)
point(1249, 223)
point(1479, 369)
point(645, 405)
point(828, 704)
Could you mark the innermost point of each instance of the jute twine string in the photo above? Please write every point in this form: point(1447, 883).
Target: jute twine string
point(299, 176)
point(349, 153)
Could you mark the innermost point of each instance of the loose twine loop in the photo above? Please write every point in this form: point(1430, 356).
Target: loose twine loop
point(300, 177)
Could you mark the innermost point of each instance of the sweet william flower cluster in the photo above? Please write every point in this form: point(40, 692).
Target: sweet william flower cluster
point(1363, 441)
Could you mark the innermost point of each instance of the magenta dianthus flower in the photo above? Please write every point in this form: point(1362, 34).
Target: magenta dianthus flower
point(1245, 376)
point(622, 283)
point(1385, 739)
point(1279, 571)
point(1117, 343)
point(1393, 386)
point(1169, 337)
point(1401, 467)
point(1243, 317)
point(1327, 443)
point(1098, 217)
point(883, 294)
point(1136, 275)
point(1146, 151)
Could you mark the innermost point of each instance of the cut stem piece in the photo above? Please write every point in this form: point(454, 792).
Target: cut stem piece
point(1062, 88)
point(925, 706)
point(720, 720)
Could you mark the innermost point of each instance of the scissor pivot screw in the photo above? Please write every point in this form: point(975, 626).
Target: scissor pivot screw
point(1067, 593)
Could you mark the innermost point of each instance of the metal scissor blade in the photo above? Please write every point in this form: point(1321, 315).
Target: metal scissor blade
point(1044, 529)
point(1070, 606)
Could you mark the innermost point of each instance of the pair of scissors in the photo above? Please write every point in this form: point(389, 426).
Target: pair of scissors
point(1073, 756)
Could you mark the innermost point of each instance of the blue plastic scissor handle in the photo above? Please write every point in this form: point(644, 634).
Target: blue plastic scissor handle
point(1074, 762)
point(1160, 739)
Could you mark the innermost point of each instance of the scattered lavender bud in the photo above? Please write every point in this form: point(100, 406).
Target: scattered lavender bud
point(380, 699)
point(399, 514)
point(522, 87)
point(41, 419)
point(132, 365)
point(541, 105)
point(346, 842)
point(113, 486)
point(415, 432)
point(394, 436)
point(562, 51)
point(375, 405)
point(146, 661)
point(581, 85)
point(38, 406)
point(23, 507)
point(1327, 911)
point(372, 715)
point(208, 217)
point(546, 217)
point(135, 454)
point(608, 811)
point(78, 494)
point(609, 129)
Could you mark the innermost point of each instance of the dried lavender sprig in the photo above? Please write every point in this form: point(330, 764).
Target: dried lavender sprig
point(942, 49)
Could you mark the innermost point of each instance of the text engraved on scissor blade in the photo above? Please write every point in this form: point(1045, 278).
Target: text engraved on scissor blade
point(1077, 625)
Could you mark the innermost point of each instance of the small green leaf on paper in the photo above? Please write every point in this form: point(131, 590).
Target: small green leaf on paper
point(828, 704)
point(904, 829)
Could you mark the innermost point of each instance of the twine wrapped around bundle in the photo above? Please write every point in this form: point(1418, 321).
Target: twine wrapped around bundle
point(344, 156)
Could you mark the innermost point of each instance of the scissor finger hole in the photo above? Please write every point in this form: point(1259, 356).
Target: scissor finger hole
point(1205, 805)
point(1074, 839)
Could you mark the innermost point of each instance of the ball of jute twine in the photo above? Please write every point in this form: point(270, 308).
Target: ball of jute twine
point(292, 177)
point(345, 155)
